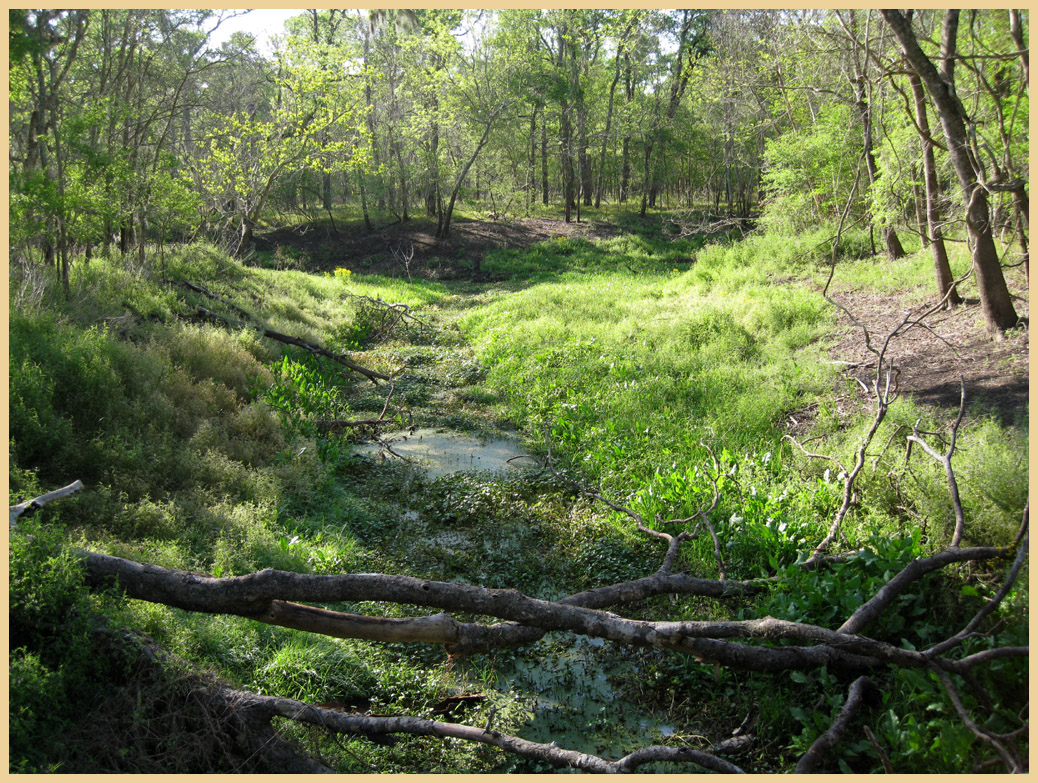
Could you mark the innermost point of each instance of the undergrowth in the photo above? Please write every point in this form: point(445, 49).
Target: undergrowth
point(642, 358)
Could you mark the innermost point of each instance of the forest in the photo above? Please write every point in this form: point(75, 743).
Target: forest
point(519, 391)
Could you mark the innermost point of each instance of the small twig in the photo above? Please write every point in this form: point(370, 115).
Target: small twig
point(812, 455)
point(883, 757)
point(522, 456)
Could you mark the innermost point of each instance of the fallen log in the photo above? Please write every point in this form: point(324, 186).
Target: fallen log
point(31, 505)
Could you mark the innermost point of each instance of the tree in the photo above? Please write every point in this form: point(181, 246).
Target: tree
point(862, 88)
point(996, 303)
point(47, 44)
point(248, 153)
point(480, 104)
point(626, 24)
point(935, 234)
point(692, 46)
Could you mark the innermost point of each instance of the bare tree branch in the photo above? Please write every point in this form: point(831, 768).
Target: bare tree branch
point(1012, 763)
point(832, 735)
point(369, 725)
point(987, 609)
point(299, 342)
point(874, 607)
point(31, 505)
point(945, 460)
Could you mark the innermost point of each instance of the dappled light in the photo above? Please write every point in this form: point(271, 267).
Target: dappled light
point(518, 391)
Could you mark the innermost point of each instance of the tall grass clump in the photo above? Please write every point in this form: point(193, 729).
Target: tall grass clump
point(165, 418)
point(629, 369)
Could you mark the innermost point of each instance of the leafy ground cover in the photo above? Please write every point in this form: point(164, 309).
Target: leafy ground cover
point(630, 353)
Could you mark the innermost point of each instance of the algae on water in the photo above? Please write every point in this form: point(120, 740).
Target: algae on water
point(440, 452)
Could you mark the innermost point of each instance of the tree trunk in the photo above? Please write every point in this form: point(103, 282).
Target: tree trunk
point(531, 174)
point(544, 159)
point(363, 201)
point(568, 175)
point(920, 208)
point(1016, 31)
point(996, 303)
point(245, 230)
point(605, 136)
point(864, 106)
point(679, 81)
point(326, 192)
point(443, 224)
point(625, 168)
point(403, 182)
point(646, 186)
point(942, 269)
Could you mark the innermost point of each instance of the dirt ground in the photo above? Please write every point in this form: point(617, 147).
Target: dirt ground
point(457, 256)
point(934, 361)
point(931, 362)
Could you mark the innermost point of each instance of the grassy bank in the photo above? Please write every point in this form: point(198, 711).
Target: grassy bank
point(196, 442)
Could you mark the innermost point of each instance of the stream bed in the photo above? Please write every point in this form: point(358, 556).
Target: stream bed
point(441, 452)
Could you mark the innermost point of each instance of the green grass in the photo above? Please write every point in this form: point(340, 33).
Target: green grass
point(193, 443)
point(646, 365)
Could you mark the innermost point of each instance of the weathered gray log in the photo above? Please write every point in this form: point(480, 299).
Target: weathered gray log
point(31, 505)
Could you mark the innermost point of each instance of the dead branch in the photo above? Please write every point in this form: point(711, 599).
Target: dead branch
point(32, 505)
point(383, 317)
point(945, 460)
point(987, 609)
point(404, 257)
point(814, 455)
point(370, 725)
point(673, 542)
point(963, 665)
point(826, 742)
point(299, 342)
point(883, 757)
point(1009, 759)
point(916, 569)
point(269, 596)
point(325, 426)
point(225, 302)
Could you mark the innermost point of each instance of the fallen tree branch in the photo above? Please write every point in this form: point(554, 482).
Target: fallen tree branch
point(206, 292)
point(268, 596)
point(987, 609)
point(916, 569)
point(1011, 761)
point(884, 759)
point(32, 505)
point(826, 742)
point(325, 426)
point(299, 342)
point(368, 725)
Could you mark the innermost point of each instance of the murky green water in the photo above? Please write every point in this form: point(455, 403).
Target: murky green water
point(440, 452)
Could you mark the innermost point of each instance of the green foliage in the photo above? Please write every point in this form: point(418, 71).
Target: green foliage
point(635, 253)
point(198, 451)
point(810, 173)
point(618, 365)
